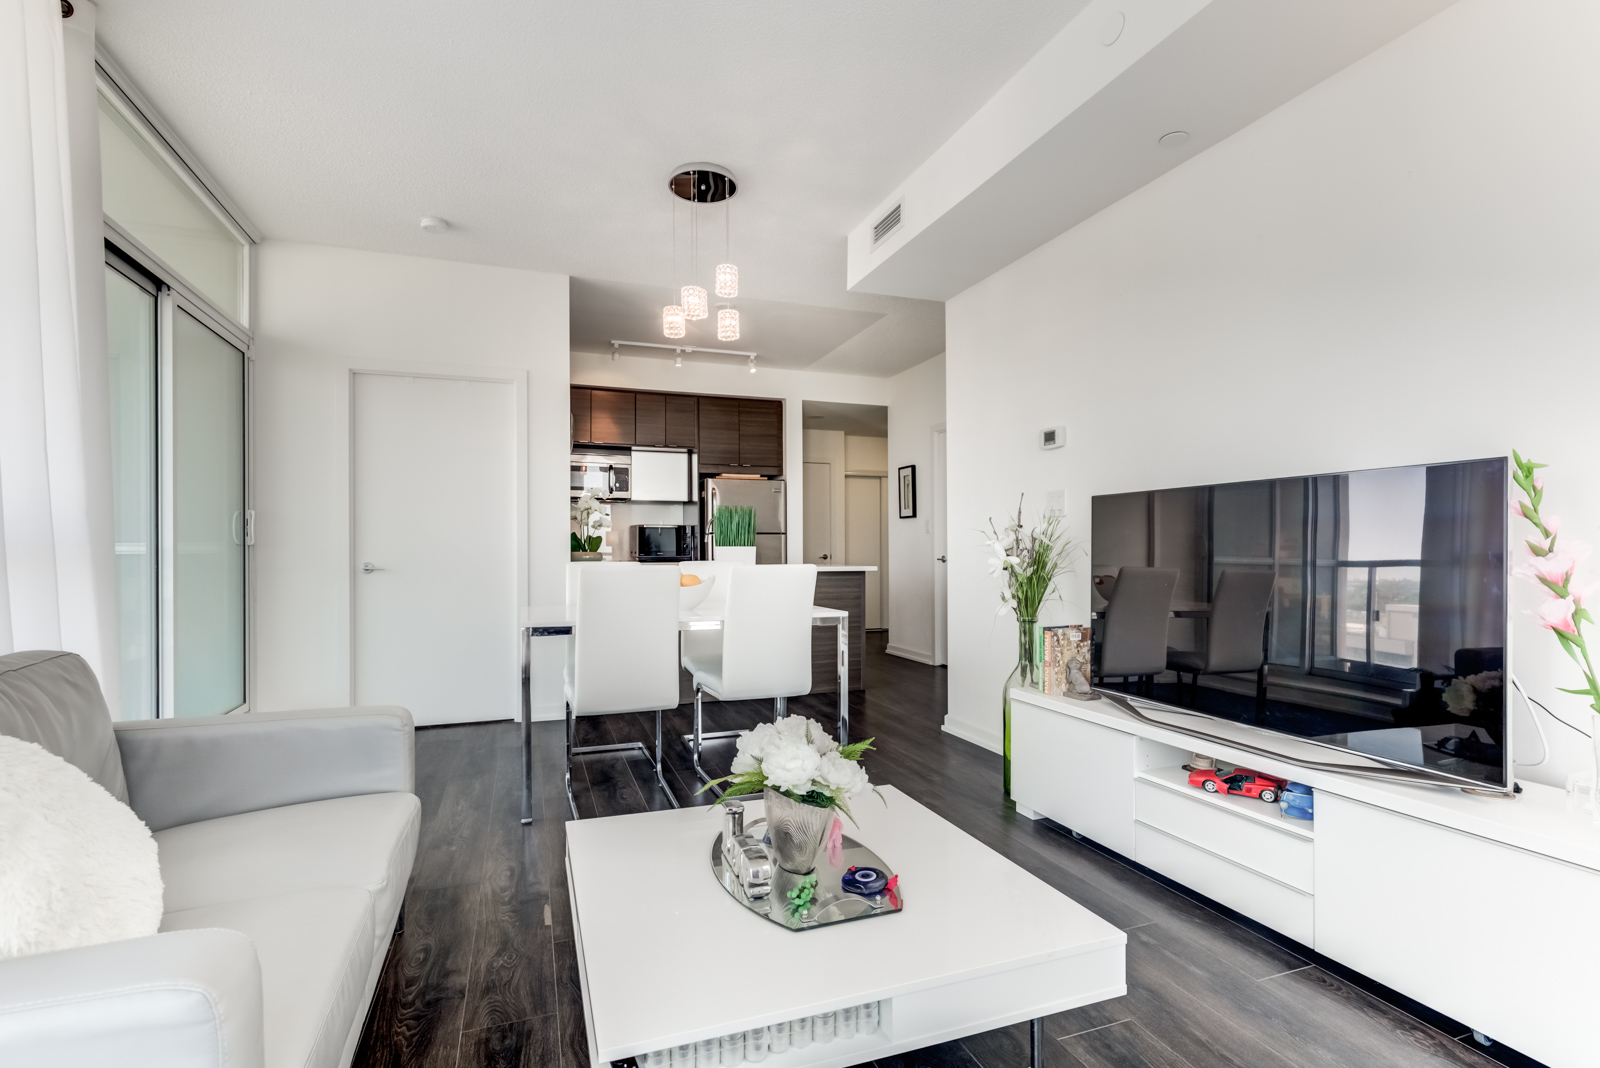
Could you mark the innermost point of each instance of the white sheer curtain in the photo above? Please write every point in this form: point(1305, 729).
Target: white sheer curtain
point(55, 552)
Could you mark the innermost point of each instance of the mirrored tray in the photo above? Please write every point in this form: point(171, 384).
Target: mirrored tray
point(831, 904)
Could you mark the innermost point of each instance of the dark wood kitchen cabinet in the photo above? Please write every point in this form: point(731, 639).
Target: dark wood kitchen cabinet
point(719, 431)
point(760, 433)
point(611, 417)
point(650, 419)
point(580, 415)
point(683, 421)
point(733, 435)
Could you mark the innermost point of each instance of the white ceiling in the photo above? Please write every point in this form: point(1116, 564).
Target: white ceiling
point(545, 133)
point(864, 420)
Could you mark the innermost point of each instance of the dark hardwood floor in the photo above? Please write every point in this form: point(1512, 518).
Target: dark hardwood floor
point(485, 974)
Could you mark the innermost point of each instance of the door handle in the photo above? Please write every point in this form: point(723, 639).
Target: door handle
point(367, 569)
point(941, 559)
point(824, 556)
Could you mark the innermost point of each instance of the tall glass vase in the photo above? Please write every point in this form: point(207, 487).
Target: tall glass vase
point(1024, 675)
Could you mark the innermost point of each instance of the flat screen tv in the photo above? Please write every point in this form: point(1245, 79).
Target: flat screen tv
point(1364, 611)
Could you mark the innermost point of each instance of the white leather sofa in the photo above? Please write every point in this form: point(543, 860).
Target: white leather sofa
point(286, 840)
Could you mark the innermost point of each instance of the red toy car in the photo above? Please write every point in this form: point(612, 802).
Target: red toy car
point(1239, 781)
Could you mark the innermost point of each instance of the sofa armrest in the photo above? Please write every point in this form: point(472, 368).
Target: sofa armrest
point(184, 770)
point(188, 999)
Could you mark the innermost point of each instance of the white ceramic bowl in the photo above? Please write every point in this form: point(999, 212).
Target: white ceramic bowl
point(692, 597)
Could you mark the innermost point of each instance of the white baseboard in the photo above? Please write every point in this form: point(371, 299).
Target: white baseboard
point(990, 740)
point(910, 654)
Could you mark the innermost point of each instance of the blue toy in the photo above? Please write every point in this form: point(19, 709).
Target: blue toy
point(1296, 801)
point(865, 881)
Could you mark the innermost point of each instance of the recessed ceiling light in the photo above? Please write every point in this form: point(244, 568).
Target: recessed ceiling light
point(1173, 139)
point(434, 225)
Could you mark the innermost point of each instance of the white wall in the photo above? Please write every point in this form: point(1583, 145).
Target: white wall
point(916, 409)
point(1400, 266)
point(322, 313)
point(792, 387)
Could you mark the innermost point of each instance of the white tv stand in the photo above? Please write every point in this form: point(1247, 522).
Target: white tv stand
point(1485, 909)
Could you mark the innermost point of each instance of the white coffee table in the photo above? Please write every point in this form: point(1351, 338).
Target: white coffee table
point(666, 957)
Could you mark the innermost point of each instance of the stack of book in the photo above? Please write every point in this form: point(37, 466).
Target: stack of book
point(1064, 667)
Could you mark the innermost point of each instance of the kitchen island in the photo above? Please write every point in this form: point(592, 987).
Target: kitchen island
point(843, 587)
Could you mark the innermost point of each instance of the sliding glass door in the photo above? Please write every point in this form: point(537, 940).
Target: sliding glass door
point(131, 328)
point(179, 436)
point(206, 505)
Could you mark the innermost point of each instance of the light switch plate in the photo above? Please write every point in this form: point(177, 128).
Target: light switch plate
point(1055, 501)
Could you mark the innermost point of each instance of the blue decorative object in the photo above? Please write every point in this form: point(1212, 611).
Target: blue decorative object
point(1296, 801)
point(864, 881)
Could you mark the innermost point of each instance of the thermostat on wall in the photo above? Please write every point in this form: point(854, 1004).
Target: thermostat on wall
point(1052, 437)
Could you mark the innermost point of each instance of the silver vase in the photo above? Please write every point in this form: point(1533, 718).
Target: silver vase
point(796, 831)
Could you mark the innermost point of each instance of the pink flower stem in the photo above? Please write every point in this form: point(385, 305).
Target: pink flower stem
point(1529, 510)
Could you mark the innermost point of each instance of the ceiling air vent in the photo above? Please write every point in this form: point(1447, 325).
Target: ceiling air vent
point(886, 225)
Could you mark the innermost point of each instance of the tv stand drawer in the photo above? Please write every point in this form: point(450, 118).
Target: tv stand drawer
point(1251, 843)
point(1264, 900)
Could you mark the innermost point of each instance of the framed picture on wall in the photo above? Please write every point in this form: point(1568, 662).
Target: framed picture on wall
point(908, 492)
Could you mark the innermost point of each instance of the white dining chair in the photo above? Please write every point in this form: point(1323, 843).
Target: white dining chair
point(763, 649)
point(623, 656)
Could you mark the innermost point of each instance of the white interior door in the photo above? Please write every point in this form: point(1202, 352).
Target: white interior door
point(435, 534)
point(941, 553)
point(863, 536)
point(818, 508)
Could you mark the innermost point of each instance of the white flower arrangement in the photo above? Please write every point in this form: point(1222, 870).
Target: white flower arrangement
point(796, 757)
point(592, 520)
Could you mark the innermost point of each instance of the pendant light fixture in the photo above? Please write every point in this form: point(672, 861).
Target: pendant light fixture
point(672, 320)
point(727, 323)
point(694, 302)
point(702, 183)
point(727, 284)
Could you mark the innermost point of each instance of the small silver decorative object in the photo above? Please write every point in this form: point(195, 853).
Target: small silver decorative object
point(752, 867)
point(732, 831)
point(795, 831)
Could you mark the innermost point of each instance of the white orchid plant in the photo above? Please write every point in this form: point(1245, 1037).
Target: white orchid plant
point(1031, 561)
point(796, 757)
point(592, 520)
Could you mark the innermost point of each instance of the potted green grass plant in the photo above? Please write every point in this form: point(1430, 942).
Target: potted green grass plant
point(735, 534)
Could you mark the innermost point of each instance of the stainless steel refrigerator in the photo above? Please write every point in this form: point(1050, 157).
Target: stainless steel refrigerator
point(768, 496)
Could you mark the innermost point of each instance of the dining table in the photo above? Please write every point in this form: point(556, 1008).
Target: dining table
point(1180, 609)
point(557, 621)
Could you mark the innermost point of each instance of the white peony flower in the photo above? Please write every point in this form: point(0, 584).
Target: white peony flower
point(752, 744)
point(846, 778)
point(790, 764)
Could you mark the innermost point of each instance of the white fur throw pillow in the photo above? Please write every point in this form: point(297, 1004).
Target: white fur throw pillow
point(77, 867)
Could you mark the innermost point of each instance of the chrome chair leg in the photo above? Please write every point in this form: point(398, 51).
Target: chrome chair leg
point(699, 734)
point(570, 802)
point(661, 778)
point(780, 708)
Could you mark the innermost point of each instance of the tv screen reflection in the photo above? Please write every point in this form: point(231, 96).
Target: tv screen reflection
point(1364, 610)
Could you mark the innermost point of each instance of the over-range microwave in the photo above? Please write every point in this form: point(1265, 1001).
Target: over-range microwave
point(606, 475)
